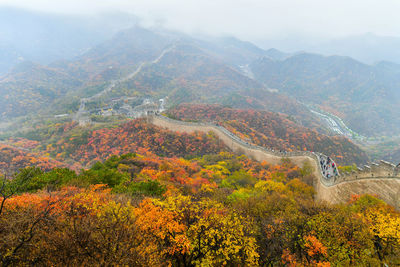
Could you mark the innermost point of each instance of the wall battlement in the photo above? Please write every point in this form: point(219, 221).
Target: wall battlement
point(382, 179)
point(372, 170)
point(236, 144)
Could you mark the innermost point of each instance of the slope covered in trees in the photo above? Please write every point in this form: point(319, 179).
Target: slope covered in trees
point(226, 71)
point(85, 145)
point(272, 130)
point(12, 159)
point(365, 96)
point(28, 86)
point(191, 71)
point(214, 210)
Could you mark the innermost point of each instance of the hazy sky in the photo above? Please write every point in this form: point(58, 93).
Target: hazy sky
point(247, 19)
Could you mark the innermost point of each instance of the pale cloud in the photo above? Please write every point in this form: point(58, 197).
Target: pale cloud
point(248, 19)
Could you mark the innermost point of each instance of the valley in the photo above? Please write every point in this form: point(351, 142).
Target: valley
point(337, 126)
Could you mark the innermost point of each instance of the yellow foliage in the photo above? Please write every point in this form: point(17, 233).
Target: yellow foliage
point(270, 186)
point(384, 224)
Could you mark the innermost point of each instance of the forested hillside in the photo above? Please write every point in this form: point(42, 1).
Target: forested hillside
point(13, 159)
point(221, 209)
point(43, 37)
point(29, 86)
point(165, 64)
point(364, 96)
point(73, 144)
point(272, 130)
point(189, 74)
point(225, 71)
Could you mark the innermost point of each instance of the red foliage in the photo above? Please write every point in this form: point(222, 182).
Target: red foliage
point(12, 159)
point(135, 136)
point(271, 130)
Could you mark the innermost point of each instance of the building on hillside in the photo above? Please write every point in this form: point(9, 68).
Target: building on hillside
point(107, 112)
point(146, 109)
point(84, 121)
point(162, 105)
point(61, 115)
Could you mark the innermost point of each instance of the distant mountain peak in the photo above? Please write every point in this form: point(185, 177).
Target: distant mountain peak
point(24, 66)
point(276, 54)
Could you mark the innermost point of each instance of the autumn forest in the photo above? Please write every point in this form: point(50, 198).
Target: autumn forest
point(123, 144)
point(139, 195)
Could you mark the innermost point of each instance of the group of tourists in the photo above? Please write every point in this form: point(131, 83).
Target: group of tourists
point(328, 167)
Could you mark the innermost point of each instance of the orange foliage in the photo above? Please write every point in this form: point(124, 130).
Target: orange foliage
point(12, 159)
point(271, 130)
point(135, 136)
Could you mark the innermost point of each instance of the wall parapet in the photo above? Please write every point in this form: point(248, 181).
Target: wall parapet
point(316, 156)
point(381, 179)
point(381, 169)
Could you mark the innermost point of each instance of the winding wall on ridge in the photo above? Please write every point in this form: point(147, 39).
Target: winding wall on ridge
point(381, 179)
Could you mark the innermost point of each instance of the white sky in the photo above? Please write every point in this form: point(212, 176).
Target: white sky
point(248, 19)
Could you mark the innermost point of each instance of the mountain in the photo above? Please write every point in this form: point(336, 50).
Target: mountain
point(30, 88)
point(192, 70)
point(157, 63)
point(160, 63)
point(44, 38)
point(9, 57)
point(369, 48)
point(365, 96)
point(125, 50)
point(231, 50)
point(275, 54)
point(191, 73)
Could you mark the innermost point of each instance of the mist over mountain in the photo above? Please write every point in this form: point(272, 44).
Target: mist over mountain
point(368, 48)
point(366, 96)
point(222, 70)
point(44, 38)
point(191, 70)
point(154, 62)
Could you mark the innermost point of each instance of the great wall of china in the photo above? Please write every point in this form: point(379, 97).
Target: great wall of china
point(381, 179)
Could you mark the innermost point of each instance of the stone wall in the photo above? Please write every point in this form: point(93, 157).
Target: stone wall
point(381, 179)
point(373, 170)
